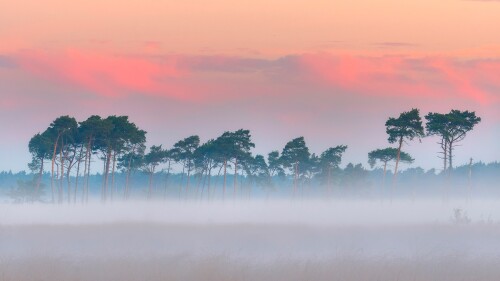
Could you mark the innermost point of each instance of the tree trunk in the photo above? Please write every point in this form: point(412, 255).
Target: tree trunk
point(88, 174)
point(166, 179)
point(126, 193)
point(85, 171)
point(329, 177)
point(150, 192)
point(209, 178)
point(182, 178)
point(295, 177)
point(187, 179)
point(77, 174)
point(235, 176)
point(61, 176)
point(113, 175)
point(52, 173)
point(68, 181)
point(40, 175)
point(450, 157)
point(224, 186)
point(444, 146)
point(106, 174)
point(385, 172)
point(398, 157)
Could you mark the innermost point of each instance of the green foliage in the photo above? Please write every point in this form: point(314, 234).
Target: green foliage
point(452, 126)
point(296, 153)
point(275, 164)
point(407, 126)
point(332, 157)
point(386, 155)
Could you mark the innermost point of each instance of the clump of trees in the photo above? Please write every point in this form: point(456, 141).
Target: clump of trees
point(71, 148)
point(451, 128)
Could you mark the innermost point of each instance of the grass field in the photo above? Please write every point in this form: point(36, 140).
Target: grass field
point(238, 242)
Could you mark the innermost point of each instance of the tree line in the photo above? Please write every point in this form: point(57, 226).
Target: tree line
point(70, 147)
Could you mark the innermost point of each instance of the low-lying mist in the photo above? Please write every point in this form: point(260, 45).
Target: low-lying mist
point(293, 211)
point(295, 239)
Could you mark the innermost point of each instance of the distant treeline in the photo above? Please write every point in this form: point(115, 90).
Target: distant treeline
point(353, 181)
point(70, 148)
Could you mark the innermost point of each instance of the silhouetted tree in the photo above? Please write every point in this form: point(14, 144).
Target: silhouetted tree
point(331, 159)
point(452, 127)
point(386, 155)
point(152, 159)
point(295, 156)
point(40, 147)
point(406, 127)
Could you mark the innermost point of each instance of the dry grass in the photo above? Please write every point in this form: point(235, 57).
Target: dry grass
point(224, 268)
point(140, 251)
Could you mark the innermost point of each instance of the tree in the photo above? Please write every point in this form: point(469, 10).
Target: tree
point(152, 159)
point(452, 127)
point(92, 129)
point(58, 130)
point(233, 146)
point(330, 159)
point(386, 155)
point(355, 176)
point(275, 164)
point(406, 127)
point(295, 156)
point(40, 147)
point(184, 151)
point(131, 161)
point(206, 157)
point(257, 171)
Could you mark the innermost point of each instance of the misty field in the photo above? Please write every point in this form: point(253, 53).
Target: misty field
point(242, 240)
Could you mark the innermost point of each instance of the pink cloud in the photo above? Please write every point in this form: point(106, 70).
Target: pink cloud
point(434, 77)
point(222, 78)
point(108, 75)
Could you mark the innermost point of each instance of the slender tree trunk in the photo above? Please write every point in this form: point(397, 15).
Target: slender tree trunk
point(329, 178)
point(40, 175)
point(198, 183)
point(61, 176)
point(68, 181)
point(444, 146)
point(77, 174)
point(182, 178)
point(385, 173)
point(450, 157)
point(167, 178)
point(235, 176)
point(188, 177)
point(209, 178)
point(150, 192)
point(88, 174)
point(295, 177)
point(217, 179)
point(224, 186)
point(106, 174)
point(126, 194)
point(113, 175)
point(398, 157)
point(52, 172)
point(85, 172)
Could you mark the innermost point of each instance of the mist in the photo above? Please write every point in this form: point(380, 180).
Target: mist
point(295, 239)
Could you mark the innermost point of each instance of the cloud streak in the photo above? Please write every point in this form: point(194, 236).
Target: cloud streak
point(216, 78)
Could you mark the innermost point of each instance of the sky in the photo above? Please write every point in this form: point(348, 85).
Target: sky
point(331, 71)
